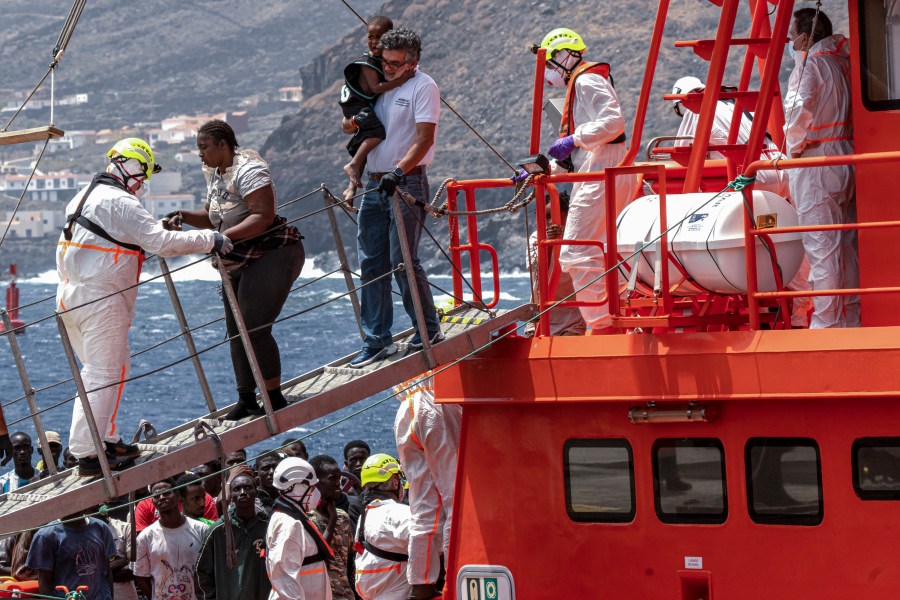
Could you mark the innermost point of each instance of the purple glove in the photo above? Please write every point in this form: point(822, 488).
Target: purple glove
point(562, 148)
point(520, 176)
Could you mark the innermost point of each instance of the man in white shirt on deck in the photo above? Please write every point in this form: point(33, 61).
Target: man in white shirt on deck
point(410, 116)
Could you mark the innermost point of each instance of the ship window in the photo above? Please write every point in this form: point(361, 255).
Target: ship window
point(784, 481)
point(876, 468)
point(599, 479)
point(689, 481)
point(879, 23)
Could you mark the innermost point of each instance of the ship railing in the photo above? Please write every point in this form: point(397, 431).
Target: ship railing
point(186, 332)
point(751, 232)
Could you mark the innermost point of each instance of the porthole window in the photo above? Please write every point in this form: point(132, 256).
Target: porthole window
point(784, 481)
point(876, 468)
point(879, 25)
point(689, 480)
point(599, 480)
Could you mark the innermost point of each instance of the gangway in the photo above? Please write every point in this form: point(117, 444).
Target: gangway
point(315, 394)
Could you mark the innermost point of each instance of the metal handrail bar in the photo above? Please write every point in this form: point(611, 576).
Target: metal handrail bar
point(750, 231)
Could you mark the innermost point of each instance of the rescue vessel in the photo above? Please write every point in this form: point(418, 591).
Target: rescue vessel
point(708, 449)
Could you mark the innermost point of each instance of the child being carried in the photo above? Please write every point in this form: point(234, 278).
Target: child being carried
point(363, 83)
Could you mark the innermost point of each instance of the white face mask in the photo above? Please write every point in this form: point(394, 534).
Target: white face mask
point(309, 500)
point(555, 75)
point(141, 191)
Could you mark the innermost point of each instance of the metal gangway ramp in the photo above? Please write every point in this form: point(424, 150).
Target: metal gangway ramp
point(310, 396)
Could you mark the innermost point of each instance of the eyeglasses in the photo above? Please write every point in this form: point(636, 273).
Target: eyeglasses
point(394, 64)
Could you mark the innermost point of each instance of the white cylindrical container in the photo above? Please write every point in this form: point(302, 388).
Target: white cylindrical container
point(707, 240)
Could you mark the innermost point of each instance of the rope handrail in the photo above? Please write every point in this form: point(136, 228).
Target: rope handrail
point(190, 356)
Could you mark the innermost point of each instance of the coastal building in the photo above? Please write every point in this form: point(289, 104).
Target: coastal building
point(159, 205)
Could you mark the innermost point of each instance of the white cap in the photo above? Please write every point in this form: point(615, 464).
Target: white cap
point(686, 85)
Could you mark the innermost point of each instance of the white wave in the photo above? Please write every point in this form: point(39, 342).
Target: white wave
point(443, 298)
point(45, 278)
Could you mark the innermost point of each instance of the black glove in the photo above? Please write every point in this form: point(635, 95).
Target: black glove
point(172, 221)
point(390, 180)
point(6, 449)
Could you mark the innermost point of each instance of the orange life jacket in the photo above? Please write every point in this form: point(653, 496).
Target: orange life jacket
point(567, 124)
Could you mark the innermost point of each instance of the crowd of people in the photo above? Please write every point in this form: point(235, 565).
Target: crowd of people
point(280, 526)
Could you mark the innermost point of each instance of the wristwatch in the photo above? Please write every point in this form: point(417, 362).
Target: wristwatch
point(398, 172)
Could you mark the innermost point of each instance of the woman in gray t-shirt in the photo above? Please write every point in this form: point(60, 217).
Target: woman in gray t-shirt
point(267, 256)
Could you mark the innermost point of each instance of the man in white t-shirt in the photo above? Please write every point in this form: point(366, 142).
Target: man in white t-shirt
point(167, 550)
point(410, 116)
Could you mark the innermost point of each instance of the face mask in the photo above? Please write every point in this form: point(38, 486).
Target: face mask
point(554, 76)
point(307, 497)
point(140, 192)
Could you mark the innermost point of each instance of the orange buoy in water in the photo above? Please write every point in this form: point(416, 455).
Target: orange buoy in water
point(12, 303)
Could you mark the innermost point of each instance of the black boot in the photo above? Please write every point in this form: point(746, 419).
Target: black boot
point(423, 591)
point(276, 398)
point(246, 405)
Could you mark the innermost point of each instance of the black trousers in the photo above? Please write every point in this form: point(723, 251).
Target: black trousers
point(262, 287)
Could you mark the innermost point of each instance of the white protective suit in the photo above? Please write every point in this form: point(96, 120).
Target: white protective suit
point(598, 119)
point(287, 544)
point(90, 267)
point(819, 123)
point(427, 437)
point(387, 528)
point(771, 181)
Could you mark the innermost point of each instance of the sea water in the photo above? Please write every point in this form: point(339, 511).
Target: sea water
point(172, 396)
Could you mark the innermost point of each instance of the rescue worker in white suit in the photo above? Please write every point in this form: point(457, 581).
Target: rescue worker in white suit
point(775, 181)
point(382, 534)
point(295, 550)
point(819, 123)
point(427, 437)
point(98, 260)
point(592, 132)
point(771, 181)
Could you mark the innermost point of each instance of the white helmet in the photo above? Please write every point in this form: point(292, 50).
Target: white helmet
point(686, 85)
point(293, 470)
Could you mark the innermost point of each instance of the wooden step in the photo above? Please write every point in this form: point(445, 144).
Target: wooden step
point(704, 48)
point(22, 136)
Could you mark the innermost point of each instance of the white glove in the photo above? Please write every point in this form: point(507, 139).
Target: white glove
point(222, 245)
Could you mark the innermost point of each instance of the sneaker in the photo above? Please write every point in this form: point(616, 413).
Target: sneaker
point(120, 449)
point(370, 355)
point(90, 466)
point(416, 341)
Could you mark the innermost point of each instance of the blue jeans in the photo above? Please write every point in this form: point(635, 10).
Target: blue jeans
point(379, 252)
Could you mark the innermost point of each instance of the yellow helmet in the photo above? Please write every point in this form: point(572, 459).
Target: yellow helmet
point(561, 39)
point(137, 149)
point(379, 468)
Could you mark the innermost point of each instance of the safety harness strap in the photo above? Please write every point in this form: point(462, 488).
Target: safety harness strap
point(386, 555)
point(323, 550)
point(77, 217)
